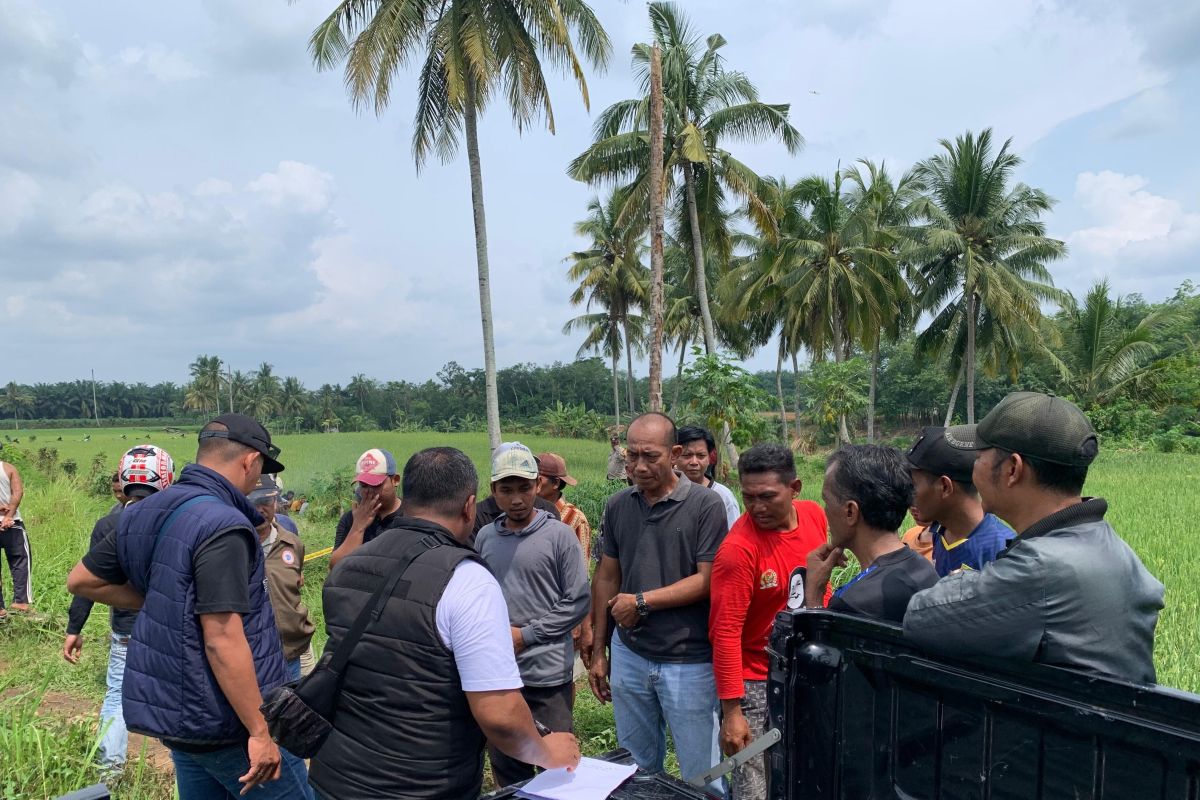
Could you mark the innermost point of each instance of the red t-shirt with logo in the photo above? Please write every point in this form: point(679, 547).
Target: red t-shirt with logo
point(751, 583)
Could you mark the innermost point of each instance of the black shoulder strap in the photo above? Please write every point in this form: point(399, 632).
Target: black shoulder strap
point(373, 608)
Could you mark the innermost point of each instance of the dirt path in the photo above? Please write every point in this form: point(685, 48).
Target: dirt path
point(71, 707)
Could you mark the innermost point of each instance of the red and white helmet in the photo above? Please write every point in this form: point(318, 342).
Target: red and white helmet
point(146, 466)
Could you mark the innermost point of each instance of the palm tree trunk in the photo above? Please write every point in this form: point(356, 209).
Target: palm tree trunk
point(954, 395)
point(492, 400)
point(628, 368)
point(701, 279)
point(796, 389)
point(616, 393)
point(656, 229)
point(839, 357)
point(871, 392)
point(683, 343)
point(779, 391)
point(970, 359)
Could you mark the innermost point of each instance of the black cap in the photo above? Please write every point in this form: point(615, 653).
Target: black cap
point(1032, 424)
point(931, 453)
point(250, 432)
point(264, 490)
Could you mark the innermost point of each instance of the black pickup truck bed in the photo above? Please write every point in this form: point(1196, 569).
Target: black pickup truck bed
point(864, 715)
point(639, 787)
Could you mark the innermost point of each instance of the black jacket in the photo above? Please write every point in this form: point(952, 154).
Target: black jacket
point(402, 728)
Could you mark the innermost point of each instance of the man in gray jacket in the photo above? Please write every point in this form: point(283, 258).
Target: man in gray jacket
point(1068, 591)
point(540, 566)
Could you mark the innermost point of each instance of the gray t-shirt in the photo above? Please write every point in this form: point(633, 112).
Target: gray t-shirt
point(660, 545)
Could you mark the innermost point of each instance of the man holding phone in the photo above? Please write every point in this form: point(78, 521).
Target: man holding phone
point(376, 504)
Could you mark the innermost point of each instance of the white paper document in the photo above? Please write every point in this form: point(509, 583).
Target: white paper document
point(592, 780)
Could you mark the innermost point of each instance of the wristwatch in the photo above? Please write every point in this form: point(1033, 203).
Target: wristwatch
point(642, 609)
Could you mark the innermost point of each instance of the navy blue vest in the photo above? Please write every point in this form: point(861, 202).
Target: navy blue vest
point(170, 691)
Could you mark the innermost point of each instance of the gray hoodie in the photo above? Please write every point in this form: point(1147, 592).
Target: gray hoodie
point(545, 584)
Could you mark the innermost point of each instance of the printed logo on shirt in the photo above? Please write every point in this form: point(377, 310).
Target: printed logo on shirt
point(288, 557)
point(768, 580)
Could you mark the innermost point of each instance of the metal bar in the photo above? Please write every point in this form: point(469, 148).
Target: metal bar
point(737, 759)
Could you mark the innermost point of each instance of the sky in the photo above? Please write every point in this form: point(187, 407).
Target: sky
point(178, 179)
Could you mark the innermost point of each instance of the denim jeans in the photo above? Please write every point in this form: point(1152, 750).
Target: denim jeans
point(214, 776)
point(649, 695)
point(115, 739)
point(293, 669)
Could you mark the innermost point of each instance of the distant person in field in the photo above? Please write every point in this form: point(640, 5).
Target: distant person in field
point(918, 538)
point(543, 576)
point(144, 470)
point(616, 460)
point(284, 557)
point(14, 540)
point(964, 535)
point(205, 649)
point(660, 538)
point(766, 549)
point(867, 490)
point(697, 460)
point(553, 478)
point(376, 503)
point(1069, 591)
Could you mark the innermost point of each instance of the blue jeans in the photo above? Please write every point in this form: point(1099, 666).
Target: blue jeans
point(115, 740)
point(214, 776)
point(648, 696)
point(293, 669)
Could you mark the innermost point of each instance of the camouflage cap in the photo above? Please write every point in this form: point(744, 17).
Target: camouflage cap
point(1033, 424)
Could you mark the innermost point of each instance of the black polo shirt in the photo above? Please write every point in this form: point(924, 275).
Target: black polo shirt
point(660, 545)
point(883, 590)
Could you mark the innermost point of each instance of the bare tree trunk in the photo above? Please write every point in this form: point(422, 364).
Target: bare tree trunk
point(683, 344)
point(628, 369)
point(871, 392)
point(838, 358)
point(616, 393)
point(954, 395)
point(701, 278)
point(970, 356)
point(656, 229)
point(796, 392)
point(779, 391)
point(481, 262)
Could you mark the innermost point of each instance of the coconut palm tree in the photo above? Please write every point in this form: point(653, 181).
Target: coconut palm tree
point(611, 276)
point(361, 387)
point(293, 400)
point(16, 400)
point(1107, 358)
point(470, 52)
point(984, 243)
point(704, 106)
point(205, 390)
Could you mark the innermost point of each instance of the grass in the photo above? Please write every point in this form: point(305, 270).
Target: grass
point(1149, 495)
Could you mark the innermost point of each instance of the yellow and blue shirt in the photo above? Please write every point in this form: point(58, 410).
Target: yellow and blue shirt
point(988, 540)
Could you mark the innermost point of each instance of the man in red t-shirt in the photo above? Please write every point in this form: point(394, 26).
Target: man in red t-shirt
point(758, 572)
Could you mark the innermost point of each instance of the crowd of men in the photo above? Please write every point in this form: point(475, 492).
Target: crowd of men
point(477, 646)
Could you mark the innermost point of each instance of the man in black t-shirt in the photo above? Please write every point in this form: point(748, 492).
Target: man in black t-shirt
point(376, 504)
point(661, 537)
point(867, 490)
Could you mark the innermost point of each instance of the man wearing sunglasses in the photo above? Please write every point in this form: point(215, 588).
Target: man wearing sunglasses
point(206, 648)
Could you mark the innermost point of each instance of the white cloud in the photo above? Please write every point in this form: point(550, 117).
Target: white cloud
point(19, 195)
point(1149, 112)
point(296, 185)
point(1141, 240)
point(160, 63)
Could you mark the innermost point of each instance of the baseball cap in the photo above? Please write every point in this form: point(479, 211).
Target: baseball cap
point(552, 465)
point(374, 467)
point(931, 453)
point(513, 460)
point(264, 490)
point(250, 432)
point(1035, 425)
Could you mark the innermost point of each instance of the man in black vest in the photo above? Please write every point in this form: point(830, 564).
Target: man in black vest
point(435, 675)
